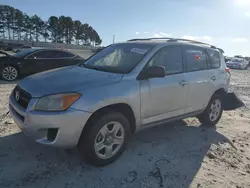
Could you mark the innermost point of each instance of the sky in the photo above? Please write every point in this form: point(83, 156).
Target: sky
point(224, 23)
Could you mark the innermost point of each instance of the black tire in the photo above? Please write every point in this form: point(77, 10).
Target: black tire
point(3, 75)
point(204, 118)
point(89, 136)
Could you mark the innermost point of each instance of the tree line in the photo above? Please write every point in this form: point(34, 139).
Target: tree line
point(16, 25)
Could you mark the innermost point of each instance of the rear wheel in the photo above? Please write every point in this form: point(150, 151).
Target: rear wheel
point(105, 139)
point(213, 112)
point(9, 73)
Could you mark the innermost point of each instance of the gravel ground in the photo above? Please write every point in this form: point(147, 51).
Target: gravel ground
point(180, 154)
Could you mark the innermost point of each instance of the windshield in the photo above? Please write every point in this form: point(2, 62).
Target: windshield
point(23, 53)
point(118, 58)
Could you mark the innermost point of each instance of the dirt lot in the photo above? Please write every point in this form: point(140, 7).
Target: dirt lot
point(180, 154)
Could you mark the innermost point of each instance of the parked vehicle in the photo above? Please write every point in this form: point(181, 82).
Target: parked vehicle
point(16, 50)
point(238, 56)
point(31, 61)
point(248, 59)
point(99, 49)
point(3, 54)
point(10, 46)
point(2, 45)
point(227, 58)
point(238, 63)
point(124, 88)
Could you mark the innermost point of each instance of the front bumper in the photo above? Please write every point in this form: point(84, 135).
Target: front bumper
point(38, 125)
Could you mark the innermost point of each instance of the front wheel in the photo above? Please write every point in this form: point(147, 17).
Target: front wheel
point(213, 112)
point(105, 139)
point(9, 73)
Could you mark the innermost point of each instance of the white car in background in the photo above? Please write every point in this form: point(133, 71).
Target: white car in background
point(237, 63)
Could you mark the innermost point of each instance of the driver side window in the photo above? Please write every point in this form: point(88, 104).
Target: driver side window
point(169, 57)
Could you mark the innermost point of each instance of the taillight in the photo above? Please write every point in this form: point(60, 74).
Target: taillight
point(228, 70)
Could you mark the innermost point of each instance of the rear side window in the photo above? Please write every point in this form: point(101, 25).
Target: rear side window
point(195, 58)
point(51, 54)
point(214, 59)
point(60, 54)
point(169, 57)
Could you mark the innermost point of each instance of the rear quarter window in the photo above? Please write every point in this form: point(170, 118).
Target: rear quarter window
point(195, 58)
point(213, 59)
point(61, 54)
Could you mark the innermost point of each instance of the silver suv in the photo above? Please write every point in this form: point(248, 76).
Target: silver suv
point(123, 88)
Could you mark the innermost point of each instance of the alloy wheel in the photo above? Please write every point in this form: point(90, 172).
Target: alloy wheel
point(215, 110)
point(109, 140)
point(9, 73)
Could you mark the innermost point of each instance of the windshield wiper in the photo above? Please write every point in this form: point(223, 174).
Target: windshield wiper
point(91, 67)
point(103, 69)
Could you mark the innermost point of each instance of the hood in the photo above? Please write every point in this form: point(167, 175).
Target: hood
point(67, 79)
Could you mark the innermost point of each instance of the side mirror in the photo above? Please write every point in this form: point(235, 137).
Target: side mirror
point(152, 72)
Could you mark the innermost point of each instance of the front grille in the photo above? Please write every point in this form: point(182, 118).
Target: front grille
point(21, 97)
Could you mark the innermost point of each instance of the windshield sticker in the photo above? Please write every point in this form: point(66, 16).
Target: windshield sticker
point(139, 51)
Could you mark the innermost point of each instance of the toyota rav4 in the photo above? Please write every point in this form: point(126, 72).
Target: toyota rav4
point(124, 88)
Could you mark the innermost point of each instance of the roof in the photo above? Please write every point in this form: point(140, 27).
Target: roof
point(165, 40)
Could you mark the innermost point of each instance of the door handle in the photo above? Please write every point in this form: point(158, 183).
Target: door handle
point(213, 78)
point(183, 83)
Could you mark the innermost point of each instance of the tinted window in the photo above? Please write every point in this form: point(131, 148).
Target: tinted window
point(23, 53)
point(51, 54)
point(43, 54)
point(214, 58)
point(169, 57)
point(60, 54)
point(195, 58)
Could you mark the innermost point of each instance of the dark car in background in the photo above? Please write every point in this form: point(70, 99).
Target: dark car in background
point(31, 61)
point(19, 49)
point(98, 49)
point(11, 46)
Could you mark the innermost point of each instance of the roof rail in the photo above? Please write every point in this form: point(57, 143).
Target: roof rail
point(176, 40)
point(166, 38)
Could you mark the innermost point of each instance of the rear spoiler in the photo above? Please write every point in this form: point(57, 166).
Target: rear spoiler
point(221, 51)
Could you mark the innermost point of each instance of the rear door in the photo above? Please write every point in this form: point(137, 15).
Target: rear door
point(200, 87)
point(64, 58)
point(35, 62)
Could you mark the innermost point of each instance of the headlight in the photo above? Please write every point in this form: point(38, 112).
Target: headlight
point(58, 102)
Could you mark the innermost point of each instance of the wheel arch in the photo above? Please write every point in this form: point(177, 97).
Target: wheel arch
point(123, 108)
point(220, 91)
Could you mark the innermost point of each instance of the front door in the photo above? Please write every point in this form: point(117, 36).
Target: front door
point(163, 98)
